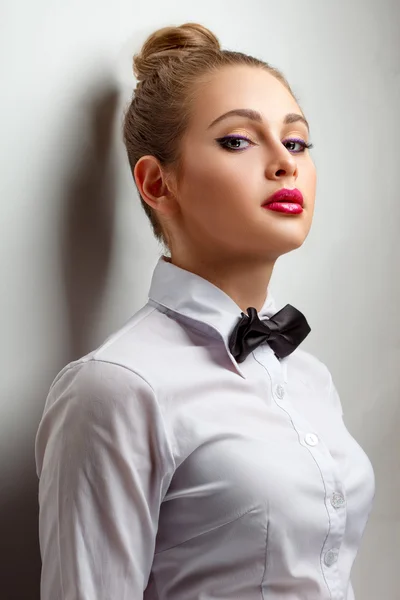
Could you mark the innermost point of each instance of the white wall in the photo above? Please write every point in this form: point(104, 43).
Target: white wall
point(77, 252)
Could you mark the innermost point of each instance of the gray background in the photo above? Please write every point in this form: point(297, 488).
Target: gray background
point(77, 252)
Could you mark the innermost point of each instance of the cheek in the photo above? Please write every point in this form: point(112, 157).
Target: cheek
point(218, 181)
point(313, 176)
point(307, 182)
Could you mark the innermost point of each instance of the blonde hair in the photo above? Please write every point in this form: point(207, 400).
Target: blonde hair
point(169, 65)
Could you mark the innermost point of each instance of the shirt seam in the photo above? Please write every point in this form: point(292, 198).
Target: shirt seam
point(156, 399)
point(98, 360)
point(208, 531)
point(91, 355)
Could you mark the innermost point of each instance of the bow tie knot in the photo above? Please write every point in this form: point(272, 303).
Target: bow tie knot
point(283, 332)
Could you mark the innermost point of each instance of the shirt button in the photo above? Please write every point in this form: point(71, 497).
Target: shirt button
point(311, 439)
point(331, 557)
point(337, 500)
point(280, 391)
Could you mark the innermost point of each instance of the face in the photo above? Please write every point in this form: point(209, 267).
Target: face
point(229, 169)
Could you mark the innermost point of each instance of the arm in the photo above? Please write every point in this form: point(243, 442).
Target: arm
point(104, 465)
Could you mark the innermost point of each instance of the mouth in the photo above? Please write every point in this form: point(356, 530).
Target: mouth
point(288, 201)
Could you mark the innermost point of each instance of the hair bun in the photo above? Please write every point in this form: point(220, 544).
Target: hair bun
point(168, 41)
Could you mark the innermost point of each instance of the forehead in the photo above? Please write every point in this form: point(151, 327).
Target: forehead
point(241, 86)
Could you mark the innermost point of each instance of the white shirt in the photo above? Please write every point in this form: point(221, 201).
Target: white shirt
point(170, 472)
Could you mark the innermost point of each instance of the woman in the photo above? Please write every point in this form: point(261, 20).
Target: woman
point(199, 453)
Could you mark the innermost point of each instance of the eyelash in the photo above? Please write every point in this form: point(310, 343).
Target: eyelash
point(222, 141)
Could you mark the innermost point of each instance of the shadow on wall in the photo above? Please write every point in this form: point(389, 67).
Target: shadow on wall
point(86, 235)
point(19, 549)
point(87, 224)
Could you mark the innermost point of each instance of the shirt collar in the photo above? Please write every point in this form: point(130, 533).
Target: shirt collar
point(197, 298)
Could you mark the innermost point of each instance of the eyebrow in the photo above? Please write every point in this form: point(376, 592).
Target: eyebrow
point(254, 115)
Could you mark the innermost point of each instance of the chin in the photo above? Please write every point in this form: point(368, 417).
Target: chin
point(282, 234)
point(296, 241)
point(285, 243)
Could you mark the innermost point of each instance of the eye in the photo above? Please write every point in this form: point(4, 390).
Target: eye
point(293, 142)
point(233, 143)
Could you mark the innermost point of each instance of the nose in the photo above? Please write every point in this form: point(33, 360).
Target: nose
point(281, 163)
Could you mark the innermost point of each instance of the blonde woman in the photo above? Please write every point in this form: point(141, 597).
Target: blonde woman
point(199, 453)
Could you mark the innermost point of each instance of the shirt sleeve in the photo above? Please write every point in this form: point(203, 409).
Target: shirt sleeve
point(104, 465)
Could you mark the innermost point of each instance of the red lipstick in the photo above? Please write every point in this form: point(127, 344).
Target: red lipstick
point(285, 201)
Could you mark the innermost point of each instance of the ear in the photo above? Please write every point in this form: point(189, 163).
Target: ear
point(153, 185)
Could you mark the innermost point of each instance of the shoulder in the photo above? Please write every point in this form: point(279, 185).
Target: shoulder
point(101, 405)
point(112, 387)
point(145, 345)
point(91, 394)
point(130, 356)
point(94, 378)
point(109, 382)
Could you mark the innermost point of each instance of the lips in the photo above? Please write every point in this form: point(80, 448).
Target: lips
point(290, 196)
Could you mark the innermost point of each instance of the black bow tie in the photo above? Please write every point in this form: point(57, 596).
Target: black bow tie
point(283, 332)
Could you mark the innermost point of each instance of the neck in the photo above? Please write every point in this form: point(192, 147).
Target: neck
point(246, 282)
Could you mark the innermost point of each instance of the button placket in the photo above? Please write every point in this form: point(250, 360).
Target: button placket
point(332, 482)
point(333, 542)
point(336, 517)
point(277, 372)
